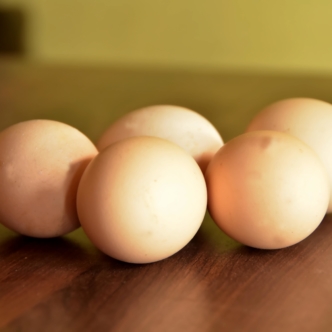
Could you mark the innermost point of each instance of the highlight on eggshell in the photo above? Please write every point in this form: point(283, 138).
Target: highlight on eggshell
point(182, 126)
point(310, 120)
point(141, 199)
point(41, 165)
point(267, 189)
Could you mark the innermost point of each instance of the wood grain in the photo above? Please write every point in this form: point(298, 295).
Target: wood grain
point(214, 283)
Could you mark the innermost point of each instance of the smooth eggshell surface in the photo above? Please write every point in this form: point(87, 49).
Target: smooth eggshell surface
point(41, 162)
point(142, 199)
point(267, 189)
point(182, 126)
point(310, 120)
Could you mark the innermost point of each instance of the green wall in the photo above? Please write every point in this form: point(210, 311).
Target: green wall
point(290, 35)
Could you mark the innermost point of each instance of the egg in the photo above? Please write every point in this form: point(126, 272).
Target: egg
point(41, 162)
point(310, 120)
point(267, 189)
point(142, 199)
point(182, 126)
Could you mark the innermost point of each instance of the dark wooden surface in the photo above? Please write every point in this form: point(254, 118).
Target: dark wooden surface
point(214, 283)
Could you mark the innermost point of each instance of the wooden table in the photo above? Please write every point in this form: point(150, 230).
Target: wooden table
point(214, 283)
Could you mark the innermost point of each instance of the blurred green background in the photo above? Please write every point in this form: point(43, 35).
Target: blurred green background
point(284, 35)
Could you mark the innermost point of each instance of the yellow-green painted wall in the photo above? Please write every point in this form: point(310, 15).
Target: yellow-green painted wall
point(213, 34)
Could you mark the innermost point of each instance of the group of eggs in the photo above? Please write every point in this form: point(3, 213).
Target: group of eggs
point(141, 193)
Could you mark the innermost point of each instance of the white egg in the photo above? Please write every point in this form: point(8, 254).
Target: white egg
point(184, 127)
point(142, 199)
point(41, 163)
point(267, 189)
point(310, 120)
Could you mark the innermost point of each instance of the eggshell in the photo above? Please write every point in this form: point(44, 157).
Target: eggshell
point(142, 199)
point(41, 162)
point(310, 120)
point(267, 189)
point(182, 126)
